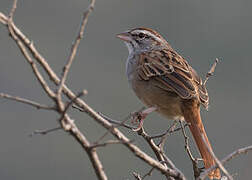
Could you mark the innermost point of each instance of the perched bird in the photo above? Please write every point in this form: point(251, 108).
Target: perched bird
point(165, 82)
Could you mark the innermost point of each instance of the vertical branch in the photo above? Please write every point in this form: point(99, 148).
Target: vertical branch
point(75, 47)
point(13, 9)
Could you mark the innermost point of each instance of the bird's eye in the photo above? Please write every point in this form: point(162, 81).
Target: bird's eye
point(141, 35)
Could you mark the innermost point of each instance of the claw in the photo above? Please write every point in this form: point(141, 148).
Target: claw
point(138, 117)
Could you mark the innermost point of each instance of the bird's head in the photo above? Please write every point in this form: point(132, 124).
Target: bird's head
point(143, 39)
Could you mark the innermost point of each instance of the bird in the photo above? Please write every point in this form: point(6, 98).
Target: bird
point(165, 82)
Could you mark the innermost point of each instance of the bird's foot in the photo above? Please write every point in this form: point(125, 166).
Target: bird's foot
point(138, 117)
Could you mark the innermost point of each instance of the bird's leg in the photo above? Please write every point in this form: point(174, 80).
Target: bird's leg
point(138, 117)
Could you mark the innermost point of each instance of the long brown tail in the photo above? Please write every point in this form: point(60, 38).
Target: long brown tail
point(191, 112)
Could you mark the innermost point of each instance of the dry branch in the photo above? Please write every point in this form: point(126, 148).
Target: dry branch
point(67, 123)
point(34, 58)
point(26, 101)
point(225, 160)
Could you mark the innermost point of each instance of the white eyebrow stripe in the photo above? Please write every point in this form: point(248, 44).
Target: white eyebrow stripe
point(148, 33)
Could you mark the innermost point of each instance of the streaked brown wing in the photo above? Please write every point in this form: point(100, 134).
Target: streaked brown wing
point(203, 95)
point(172, 73)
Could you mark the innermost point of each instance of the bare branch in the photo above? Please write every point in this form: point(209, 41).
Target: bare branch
point(75, 47)
point(92, 154)
point(68, 124)
point(159, 152)
point(38, 75)
point(236, 153)
point(226, 159)
point(24, 43)
point(26, 101)
point(156, 149)
point(118, 124)
point(3, 19)
point(187, 143)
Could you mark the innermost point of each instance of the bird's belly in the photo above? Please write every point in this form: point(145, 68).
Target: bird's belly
point(168, 104)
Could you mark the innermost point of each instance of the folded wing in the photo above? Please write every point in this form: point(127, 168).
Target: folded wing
point(172, 73)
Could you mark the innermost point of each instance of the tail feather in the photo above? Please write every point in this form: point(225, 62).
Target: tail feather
point(191, 114)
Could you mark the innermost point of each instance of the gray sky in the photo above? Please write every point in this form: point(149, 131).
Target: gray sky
point(199, 30)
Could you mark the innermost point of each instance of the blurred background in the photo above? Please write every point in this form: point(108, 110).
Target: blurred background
point(199, 30)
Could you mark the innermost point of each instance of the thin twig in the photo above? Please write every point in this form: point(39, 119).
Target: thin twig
point(78, 108)
point(169, 132)
point(13, 9)
point(137, 176)
point(159, 152)
point(36, 72)
point(44, 132)
point(82, 93)
point(164, 137)
point(187, 143)
point(75, 47)
point(236, 153)
point(149, 173)
point(211, 71)
point(106, 143)
point(196, 169)
point(119, 123)
point(26, 101)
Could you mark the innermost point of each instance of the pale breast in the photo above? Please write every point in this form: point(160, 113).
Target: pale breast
point(168, 103)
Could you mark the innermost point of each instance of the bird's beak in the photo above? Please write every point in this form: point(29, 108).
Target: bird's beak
point(125, 36)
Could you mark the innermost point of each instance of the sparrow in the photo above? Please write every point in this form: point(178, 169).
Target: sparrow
point(165, 82)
